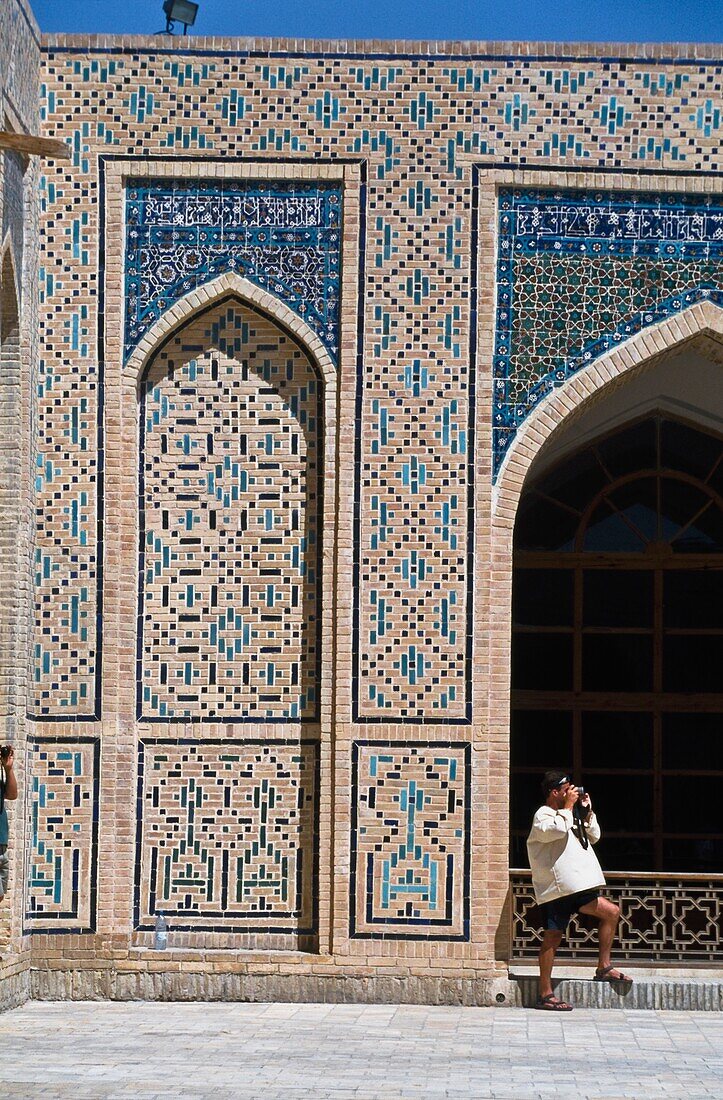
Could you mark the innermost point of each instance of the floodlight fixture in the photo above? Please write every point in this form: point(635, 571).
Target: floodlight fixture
point(179, 11)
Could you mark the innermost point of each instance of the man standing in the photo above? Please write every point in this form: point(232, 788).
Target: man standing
point(8, 792)
point(567, 878)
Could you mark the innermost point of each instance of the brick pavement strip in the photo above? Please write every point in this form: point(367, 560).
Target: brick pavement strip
point(105, 1050)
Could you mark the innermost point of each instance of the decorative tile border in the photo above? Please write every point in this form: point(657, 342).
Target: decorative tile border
point(410, 842)
point(63, 854)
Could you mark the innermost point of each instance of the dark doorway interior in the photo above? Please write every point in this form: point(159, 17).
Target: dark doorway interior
point(617, 666)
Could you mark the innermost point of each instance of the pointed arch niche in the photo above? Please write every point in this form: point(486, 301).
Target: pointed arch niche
point(236, 416)
point(244, 756)
point(230, 510)
point(227, 517)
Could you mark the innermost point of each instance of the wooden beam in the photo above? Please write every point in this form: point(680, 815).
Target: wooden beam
point(34, 146)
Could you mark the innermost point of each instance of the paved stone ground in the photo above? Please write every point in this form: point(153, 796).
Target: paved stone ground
point(283, 1052)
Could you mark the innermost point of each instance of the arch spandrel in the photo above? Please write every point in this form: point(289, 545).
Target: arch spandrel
point(232, 287)
point(700, 325)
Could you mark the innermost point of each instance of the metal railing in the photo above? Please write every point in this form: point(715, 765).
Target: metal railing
point(664, 918)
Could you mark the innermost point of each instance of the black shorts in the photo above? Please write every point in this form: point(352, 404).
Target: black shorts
point(556, 914)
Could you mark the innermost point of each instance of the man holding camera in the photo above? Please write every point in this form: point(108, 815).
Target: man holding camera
point(567, 878)
point(8, 792)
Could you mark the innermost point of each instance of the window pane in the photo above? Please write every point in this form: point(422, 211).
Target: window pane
point(615, 739)
point(634, 448)
point(608, 531)
point(702, 856)
point(628, 853)
point(524, 800)
point(693, 741)
point(617, 662)
point(715, 481)
point(693, 598)
point(544, 526)
point(518, 851)
point(638, 502)
point(621, 802)
point(683, 448)
point(680, 502)
point(693, 663)
point(617, 597)
point(705, 536)
point(576, 481)
point(692, 804)
point(542, 662)
point(541, 738)
point(542, 597)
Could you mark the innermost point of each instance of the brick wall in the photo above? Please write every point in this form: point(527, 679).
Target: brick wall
point(19, 81)
point(275, 291)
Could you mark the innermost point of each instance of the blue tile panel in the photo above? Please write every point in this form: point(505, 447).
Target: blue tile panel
point(283, 236)
point(410, 840)
point(227, 835)
point(230, 504)
point(579, 272)
point(63, 856)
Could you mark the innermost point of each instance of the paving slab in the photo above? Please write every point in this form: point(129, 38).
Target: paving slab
point(106, 1050)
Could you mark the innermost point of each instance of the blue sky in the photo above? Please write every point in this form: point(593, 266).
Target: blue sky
point(541, 20)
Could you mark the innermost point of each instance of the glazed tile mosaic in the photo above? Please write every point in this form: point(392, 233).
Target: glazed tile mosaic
point(285, 237)
point(227, 835)
point(62, 860)
point(410, 840)
point(579, 272)
point(231, 411)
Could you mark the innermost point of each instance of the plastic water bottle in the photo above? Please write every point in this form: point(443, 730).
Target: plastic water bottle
point(160, 935)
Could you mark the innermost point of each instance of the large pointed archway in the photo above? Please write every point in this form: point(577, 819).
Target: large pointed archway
point(615, 623)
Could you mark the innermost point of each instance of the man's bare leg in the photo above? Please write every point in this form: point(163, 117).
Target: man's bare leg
point(608, 913)
point(551, 940)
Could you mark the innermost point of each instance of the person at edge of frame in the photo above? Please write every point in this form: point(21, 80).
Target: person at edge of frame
point(8, 793)
point(567, 878)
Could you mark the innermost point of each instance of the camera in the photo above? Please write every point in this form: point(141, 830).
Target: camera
point(5, 751)
point(579, 811)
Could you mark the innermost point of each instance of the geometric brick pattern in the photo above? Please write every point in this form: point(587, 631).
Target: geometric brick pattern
point(579, 272)
point(410, 840)
point(227, 835)
point(417, 122)
point(285, 237)
point(230, 504)
point(62, 861)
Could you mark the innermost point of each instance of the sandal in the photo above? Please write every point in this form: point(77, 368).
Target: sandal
point(605, 975)
point(550, 1003)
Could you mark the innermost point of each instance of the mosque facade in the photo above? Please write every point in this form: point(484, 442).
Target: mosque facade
point(362, 458)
